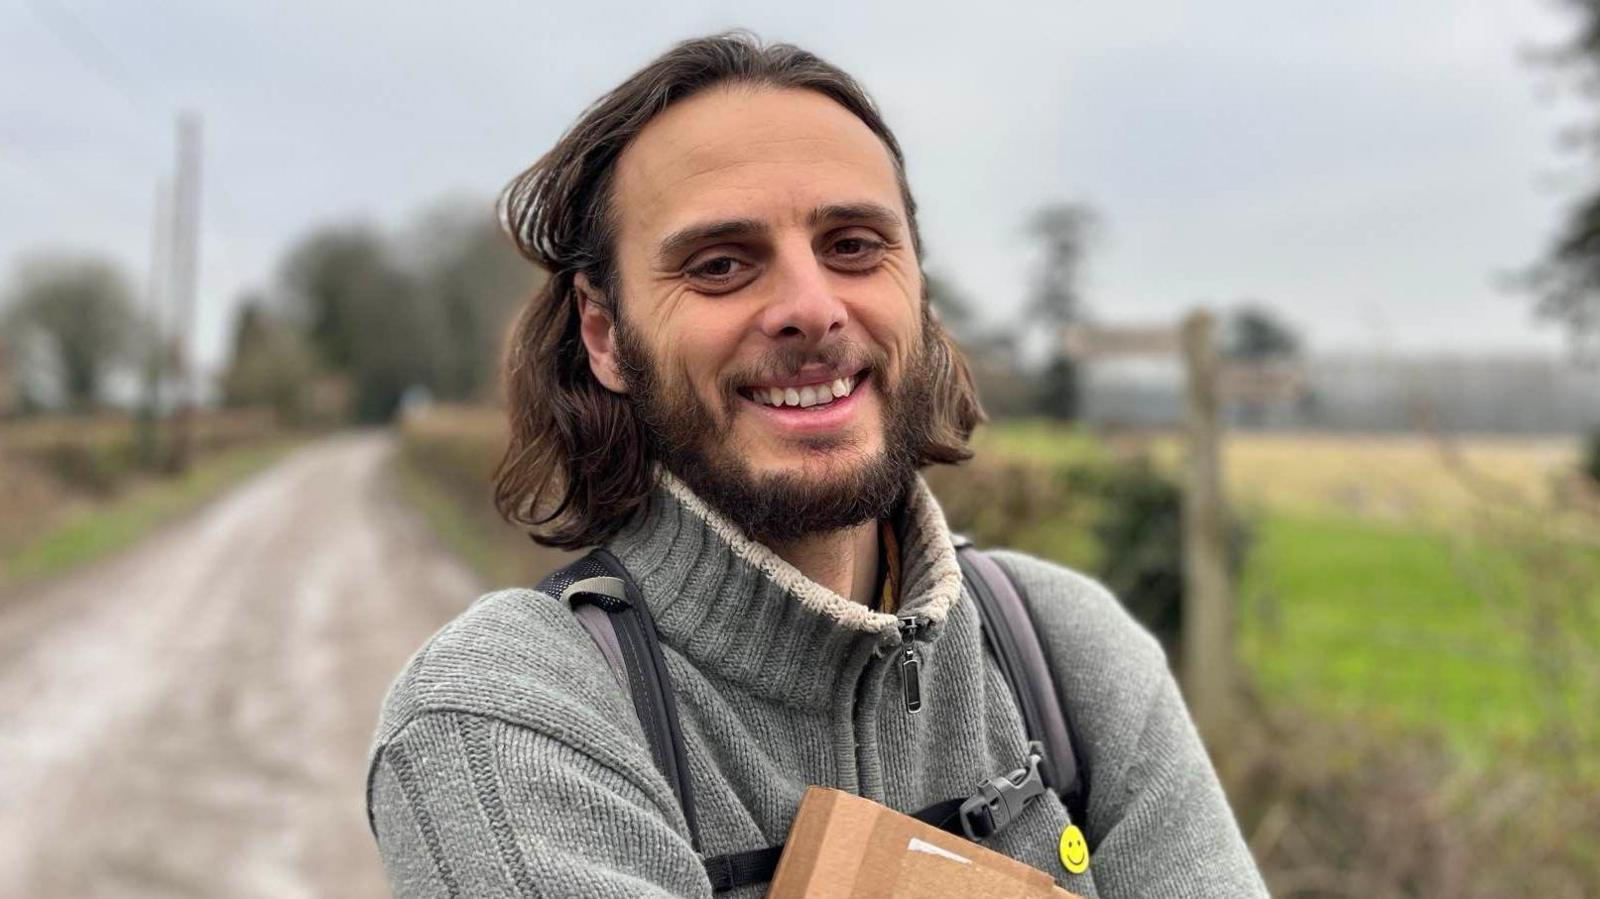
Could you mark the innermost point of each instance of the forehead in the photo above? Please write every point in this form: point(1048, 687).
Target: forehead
point(749, 152)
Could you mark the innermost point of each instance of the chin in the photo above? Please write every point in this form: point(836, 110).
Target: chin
point(817, 468)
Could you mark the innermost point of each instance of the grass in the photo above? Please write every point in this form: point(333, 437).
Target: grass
point(1375, 618)
point(1404, 478)
point(91, 532)
point(1038, 441)
point(443, 470)
point(1422, 586)
point(463, 534)
point(1407, 479)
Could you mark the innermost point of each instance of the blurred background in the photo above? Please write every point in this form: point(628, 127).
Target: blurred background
point(1285, 314)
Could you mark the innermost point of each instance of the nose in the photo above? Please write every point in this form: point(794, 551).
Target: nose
point(804, 307)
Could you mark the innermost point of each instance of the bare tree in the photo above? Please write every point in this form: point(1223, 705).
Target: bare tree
point(272, 364)
point(1567, 282)
point(365, 316)
point(950, 303)
point(1254, 333)
point(83, 309)
point(467, 268)
point(1064, 231)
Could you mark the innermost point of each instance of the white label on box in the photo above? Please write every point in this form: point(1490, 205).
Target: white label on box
point(917, 845)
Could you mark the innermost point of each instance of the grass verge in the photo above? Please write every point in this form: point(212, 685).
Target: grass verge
point(461, 533)
point(442, 469)
point(91, 533)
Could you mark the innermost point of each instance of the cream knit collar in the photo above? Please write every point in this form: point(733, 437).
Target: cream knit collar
point(737, 611)
point(932, 575)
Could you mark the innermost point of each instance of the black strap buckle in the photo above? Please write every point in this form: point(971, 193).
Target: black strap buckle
point(1000, 800)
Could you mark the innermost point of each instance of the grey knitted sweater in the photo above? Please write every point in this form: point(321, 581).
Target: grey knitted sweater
point(508, 761)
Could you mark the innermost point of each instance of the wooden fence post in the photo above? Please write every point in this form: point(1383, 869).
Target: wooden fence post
point(1207, 664)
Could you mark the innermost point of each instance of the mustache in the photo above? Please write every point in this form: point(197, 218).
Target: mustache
point(788, 362)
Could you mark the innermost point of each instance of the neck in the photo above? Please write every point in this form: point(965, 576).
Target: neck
point(844, 561)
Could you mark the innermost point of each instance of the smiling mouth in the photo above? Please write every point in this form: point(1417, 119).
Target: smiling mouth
point(805, 396)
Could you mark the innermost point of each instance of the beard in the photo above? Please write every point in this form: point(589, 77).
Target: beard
point(690, 440)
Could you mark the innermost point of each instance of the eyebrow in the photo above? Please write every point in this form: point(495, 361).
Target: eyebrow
point(684, 238)
point(865, 213)
point(680, 241)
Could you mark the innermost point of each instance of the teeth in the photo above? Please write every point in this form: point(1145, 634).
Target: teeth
point(804, 397)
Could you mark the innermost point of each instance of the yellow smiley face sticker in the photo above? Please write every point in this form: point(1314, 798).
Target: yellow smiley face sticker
point(1074, 850)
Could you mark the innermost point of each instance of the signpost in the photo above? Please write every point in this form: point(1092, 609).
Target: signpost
point(1207, 594)
point(1207, 667)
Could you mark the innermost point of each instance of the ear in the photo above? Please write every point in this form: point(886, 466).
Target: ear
point(598, 329)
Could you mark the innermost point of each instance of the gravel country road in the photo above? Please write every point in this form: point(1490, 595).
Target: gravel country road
point(191, 718)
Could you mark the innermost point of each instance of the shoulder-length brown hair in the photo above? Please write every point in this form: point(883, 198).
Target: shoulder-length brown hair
point(579, 464)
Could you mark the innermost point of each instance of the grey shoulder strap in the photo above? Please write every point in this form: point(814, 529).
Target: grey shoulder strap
point(607, 603)
point(597, 622)
point(1008, 628)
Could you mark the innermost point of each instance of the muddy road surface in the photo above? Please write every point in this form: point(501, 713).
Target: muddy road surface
point(191, 718)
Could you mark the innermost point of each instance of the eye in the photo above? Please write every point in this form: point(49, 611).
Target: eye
point(719, 273)
point(855, 251)
point(720, 267)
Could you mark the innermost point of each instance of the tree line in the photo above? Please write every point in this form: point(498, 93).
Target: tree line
point(355, 319)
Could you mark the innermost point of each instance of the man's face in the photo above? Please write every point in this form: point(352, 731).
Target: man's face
point(765, 255)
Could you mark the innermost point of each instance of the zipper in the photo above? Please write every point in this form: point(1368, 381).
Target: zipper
point(910, 663)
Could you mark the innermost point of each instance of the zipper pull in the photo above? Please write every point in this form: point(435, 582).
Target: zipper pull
point(910, 664)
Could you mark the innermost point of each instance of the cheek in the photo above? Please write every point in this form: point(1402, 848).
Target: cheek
point(692, 338)
point(894, 317)
point(707, 345)
point(897, 330)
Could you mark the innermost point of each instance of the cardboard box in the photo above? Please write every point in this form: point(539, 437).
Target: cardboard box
point(845, 847)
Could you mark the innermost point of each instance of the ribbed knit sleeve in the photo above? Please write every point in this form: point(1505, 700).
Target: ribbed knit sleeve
point(1170, 831)
point(471, 806)
point(1158, 822)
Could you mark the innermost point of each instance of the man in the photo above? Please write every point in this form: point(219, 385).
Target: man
point(731, 380)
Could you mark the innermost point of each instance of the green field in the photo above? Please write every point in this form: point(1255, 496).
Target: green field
point(1373, 618)
point(1430, 588)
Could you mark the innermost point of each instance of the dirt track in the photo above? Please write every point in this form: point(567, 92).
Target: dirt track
point(191, 718)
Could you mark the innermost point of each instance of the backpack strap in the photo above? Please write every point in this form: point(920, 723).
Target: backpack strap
point(1008, 628)
point(605, 599)
point(607, 603)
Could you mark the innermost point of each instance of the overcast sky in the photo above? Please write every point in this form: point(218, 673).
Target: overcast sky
point(1367, 167)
